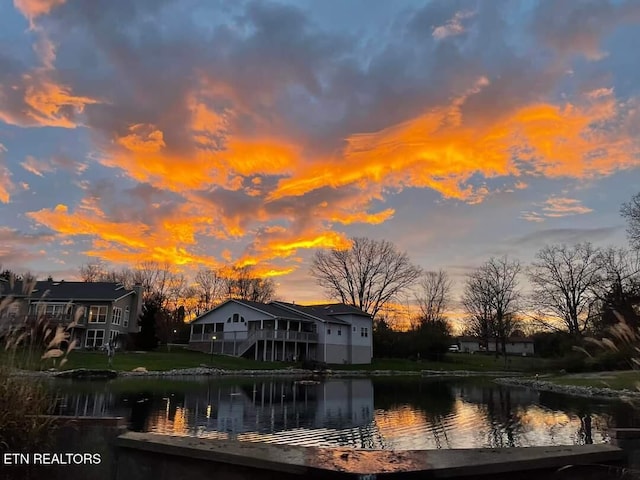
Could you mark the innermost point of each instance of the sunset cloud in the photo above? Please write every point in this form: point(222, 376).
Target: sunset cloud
point(35, 166)
point(556, 207)
point(452, 27)
point(271, 132)
point(561, 207)
point(6, 185)
point(42, 103)
point(35, 8)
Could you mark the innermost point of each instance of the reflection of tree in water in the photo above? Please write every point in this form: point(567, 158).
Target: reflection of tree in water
point(505, 425)
point(601, 414)
point(585, 432)
point(432, 398)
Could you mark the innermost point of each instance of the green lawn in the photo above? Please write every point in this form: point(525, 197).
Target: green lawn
point(157, 360)
point(452, 362)
point(623, 380)
point(180, 358)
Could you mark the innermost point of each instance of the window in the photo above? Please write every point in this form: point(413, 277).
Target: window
point(328, 331)
point(236, 318)
point(13, 310)
point(54, 310)
point(364, 331)
point(113, 336)
point(95, 338)
point(125, 320)
point(241, 319)
point(354, 329)
point(229, 320)
point(339, 331)
point(98, 314)
point(116, 316)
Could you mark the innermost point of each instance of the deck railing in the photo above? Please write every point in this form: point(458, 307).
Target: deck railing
point(265, 334)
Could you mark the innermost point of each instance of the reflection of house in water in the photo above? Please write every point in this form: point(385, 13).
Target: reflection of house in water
point(89, 404)
point(503, 408)
point(268, 406)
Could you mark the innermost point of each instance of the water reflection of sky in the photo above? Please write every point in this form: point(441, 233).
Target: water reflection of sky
point(361, 413)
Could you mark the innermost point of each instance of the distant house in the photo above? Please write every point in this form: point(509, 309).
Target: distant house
point(514, 345)
point(109, 311)
point(332, 333)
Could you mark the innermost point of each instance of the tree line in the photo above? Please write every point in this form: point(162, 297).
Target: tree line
point(170, 298)
point(577, 289)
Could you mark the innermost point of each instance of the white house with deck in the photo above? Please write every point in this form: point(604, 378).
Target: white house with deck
point(280, 331)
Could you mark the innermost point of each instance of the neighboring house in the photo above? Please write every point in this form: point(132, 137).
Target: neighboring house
point(514, 345)
point(333, 333)
point(109, 311)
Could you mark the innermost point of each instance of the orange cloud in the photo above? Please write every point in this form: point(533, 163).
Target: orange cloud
point(128, 242)
point(440, 151)
point(146, 156)
point(6, 185)
point(556, 207)
point(35, 166)
point(36, 8)
point(561, 207)
point(139, 141)
point(52, 105)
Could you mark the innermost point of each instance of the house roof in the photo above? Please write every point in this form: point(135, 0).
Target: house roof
point(273, 309)
point(341, 309)
point(270, 309)
point(314, 311)
point(66, 291)
point(292, 311)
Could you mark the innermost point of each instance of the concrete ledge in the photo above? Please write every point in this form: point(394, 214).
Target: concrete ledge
point(351, 463)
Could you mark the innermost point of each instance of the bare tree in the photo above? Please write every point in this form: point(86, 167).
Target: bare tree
point(491, 300)
point(433, 296)
point(631, 211)
point(367, 275)
point(243, 283)
point(92, 272)
point(155, 278)
point(208, 289)
point(564, 280)
point(477, 305)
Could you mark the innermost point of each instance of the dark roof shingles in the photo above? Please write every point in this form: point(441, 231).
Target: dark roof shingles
point(65, 291)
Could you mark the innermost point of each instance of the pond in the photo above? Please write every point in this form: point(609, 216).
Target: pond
point(370, 413)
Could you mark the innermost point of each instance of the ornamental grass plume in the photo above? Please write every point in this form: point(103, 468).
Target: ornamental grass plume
point(623, 341)
point(28, 342)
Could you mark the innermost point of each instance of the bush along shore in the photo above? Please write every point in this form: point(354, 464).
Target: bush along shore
point(577, 390)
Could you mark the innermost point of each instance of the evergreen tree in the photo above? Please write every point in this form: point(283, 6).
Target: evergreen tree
point(152, 312)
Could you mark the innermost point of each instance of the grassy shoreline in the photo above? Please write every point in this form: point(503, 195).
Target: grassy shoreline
point(181, 358)
point(180, 361)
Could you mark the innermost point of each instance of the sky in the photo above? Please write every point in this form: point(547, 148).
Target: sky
point(204, 133)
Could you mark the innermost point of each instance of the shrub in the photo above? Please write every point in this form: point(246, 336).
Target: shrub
point(27, 341)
